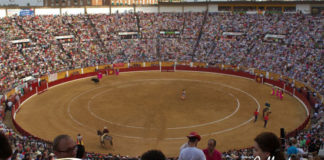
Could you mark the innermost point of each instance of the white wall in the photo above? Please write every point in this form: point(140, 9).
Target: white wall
point(213, 8)
point(47, 11)
point(2, 13)
point(98, 10)
point(195, 8)
point(22, 2)
point(12, 12)
point(170, 9)
point(147, 9)
point(305, 8)
point(73, 11)
point(122, 10)
point(194, 0)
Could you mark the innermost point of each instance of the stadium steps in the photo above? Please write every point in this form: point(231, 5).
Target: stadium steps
point(8, 122)
point(200, 34)
point(23, 29)
point(138, 24)
point(100, 42)
point(72, 31)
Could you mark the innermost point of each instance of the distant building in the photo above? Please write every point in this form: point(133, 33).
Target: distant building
point(22, 3)
point(70, 3)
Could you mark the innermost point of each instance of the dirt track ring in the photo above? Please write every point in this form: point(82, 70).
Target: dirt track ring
point(174, 128)
point(64, 109)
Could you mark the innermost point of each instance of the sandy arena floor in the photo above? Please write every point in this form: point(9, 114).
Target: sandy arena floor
point(143, 111)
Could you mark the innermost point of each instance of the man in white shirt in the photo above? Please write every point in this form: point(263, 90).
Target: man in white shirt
point(191, 152)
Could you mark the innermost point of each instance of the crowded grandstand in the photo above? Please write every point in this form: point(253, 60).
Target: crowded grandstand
point(289, 44)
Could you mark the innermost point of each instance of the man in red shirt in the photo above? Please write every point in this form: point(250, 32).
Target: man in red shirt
point(256, 113)
point(210, 152)
point(266, 118)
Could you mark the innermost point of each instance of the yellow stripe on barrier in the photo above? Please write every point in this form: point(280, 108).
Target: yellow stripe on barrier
point(61, 75)
point(89, 69)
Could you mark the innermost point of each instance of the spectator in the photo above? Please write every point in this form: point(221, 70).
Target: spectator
point(64, 147)
point(80, 152)
point(268, 145)
point(5, 151)
point(153, 155)
point(192, 152)
point(210, 152)
point(292, 150)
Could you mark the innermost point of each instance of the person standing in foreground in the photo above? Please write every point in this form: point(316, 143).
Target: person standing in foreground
point(210, 152)
point(5, 148)
point(192, 152)
point(267, 145)
point(153, 155)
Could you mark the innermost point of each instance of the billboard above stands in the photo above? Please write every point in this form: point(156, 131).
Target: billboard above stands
point(26, 12)
point(2, 13)
point(47, 11)
point(73, 11)
point(98, 10)
point(20, 12)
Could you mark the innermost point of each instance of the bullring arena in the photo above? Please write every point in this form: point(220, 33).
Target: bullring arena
point(154, 72)
point(143, 110)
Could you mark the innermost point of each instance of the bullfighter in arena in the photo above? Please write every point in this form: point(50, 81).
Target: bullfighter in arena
point(183, 96)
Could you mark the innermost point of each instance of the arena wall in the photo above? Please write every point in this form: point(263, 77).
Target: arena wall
point(122, 10)
point(213, 8)
point(195, 8)
point(177, 7)
point(171, 9)
point(47, 11)
point(73, 11)
point(22, 2)
point(304, 8)
point(153, 9)
point(2, 13)
point(98, 10)
point(11, 12)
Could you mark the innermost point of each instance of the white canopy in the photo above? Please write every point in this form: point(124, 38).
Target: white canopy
point(64, 37)
point(20, 41)
point(232, 34)
point(274, 36)
point(29, 78)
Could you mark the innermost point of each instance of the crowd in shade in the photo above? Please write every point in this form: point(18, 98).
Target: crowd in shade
point(287, 44)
